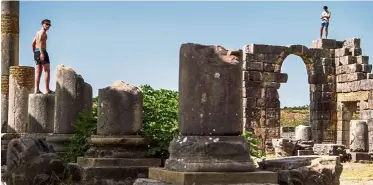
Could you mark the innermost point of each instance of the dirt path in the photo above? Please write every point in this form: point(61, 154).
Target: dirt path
point(357, 174)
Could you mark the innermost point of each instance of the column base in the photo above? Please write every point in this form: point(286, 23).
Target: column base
point(213, 178)
point(116, 160)
point(209, 154)
point(59, 142)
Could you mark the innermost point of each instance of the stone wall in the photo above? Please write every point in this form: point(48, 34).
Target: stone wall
point(262, 78)
point(354, 87)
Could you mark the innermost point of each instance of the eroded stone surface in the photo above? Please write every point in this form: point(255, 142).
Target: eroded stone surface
point(120, 110)
point(305, 170)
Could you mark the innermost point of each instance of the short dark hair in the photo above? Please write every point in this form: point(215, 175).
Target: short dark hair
point(45, 21)
point(325, 7)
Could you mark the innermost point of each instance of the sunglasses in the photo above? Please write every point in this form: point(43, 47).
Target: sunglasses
point(48, 24)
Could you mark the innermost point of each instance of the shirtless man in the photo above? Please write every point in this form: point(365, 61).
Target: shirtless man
point(325, 18)
point(41, 57)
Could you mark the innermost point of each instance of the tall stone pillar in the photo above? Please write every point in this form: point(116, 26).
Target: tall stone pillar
point(210, 122)
point(9, 51)
point(21, 84)
point(117, 149)
point(69, 101)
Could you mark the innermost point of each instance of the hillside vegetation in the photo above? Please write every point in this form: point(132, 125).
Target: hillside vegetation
point(294, 116)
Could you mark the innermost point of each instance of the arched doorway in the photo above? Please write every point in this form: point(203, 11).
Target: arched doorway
point(262, 79)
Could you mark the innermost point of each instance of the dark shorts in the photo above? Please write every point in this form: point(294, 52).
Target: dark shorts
point(37, 57)
point(325, 24)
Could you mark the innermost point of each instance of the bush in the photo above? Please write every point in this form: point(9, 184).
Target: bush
point(254, 144)
point(85, 126)
point(160, 119)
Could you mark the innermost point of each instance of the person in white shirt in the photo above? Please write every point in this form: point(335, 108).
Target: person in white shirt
point(325, 19)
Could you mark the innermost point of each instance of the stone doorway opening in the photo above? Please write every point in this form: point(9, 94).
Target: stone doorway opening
point(350, 112)
point(262, 78)
point(294, 96)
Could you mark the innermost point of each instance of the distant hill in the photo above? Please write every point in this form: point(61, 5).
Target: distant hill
point(294, 116)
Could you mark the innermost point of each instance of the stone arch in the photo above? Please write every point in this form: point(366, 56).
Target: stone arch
point(262, 79)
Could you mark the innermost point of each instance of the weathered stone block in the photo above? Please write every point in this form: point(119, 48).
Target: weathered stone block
point(359, 156)
point(351, 77)
point(283, 147)
point(355, 51)
point(305, 170)
point(271, 85)
point(324, 43)
point(253, 66)
point(341, 52)
point(304, 152)
point(303, 133)
point(220, 76)
point(328, 61)
point(358, 136)
point(254, 76)
point(362, 59)
point(264, 49)
point(255, 92)
point(120, 109)
point(206, 154)
point(328, 87)
point(269, 67)
point(329, 149)
point(349, 68)
point(249, 102)
point(213, 178)
point(328, 70)
point(275, 77)
point(317, 79)
point(351, 43)
point(366, 114)
point(40, 113)
point(271, 93)
point(352, 96)
point(263, 58)
point(316, 87)
point(345, 60)
point(366, 84)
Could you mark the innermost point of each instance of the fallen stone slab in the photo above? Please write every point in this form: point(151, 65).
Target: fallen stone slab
point(305, 170)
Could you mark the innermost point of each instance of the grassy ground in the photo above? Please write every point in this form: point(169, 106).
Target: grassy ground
point(357, 171)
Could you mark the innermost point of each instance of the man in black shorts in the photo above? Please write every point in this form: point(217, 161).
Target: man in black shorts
point(41, 57)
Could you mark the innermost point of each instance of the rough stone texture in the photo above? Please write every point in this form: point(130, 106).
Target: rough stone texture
point(40, 113)
point(212, 152)
point(4, 102)
point(303, 133)
point(213, 178)
point(358, 136)
point(21, 84)
point(32, 161)
point(88, 99)
point(330, 150)
point(120, 110)
point(283, 147)
point(305, 170)
point(370, 134)
point(9, 35)
point(69, 99)
point(206, 110)
point(359, 156)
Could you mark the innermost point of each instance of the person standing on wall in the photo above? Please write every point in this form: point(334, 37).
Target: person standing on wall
point(325, 19)
point(41, 57)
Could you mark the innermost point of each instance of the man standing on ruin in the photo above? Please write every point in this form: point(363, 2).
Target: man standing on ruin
point(41, 57)
point(325, 18)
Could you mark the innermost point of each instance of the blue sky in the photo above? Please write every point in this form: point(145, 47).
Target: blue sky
point(139, 42)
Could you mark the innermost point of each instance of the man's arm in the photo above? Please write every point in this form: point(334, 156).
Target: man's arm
point(33, 44)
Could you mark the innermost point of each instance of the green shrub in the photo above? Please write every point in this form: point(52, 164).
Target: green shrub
point(85, 126)
point(160, 119)
point(254, 144)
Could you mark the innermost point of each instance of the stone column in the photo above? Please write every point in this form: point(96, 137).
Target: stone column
point(40, 113)
point(68, 103)
point(21, 84)
point(9, 51)
point(210, 122)
point(358, 136)
point(4, 102)
point(303, 133)
point(117, 149)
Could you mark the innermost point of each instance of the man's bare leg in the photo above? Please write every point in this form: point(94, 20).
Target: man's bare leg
point(326, 33)
point(321, 29)
point(47, 77)
point(38, 75)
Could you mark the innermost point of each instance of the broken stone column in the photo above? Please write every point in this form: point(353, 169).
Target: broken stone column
point(21, 84)
point(210, 122)
point(303, 133)
point(40, 113)
point(358, 136)
point(69, 102)
point(117, 149)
